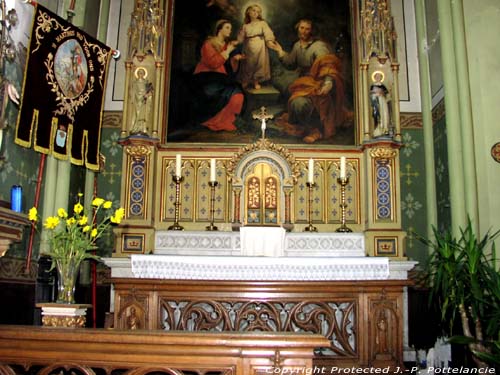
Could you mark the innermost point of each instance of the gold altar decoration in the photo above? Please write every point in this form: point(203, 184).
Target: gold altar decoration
point(264, 144)
point(379, 34)
point(148, 191)
point(383, 153)
point(138, 151)
point(64, 315)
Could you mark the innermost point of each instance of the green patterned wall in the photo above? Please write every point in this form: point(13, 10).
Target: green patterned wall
point(413, 197)
point(19, 167)
point(442, 177)
point(109, 179)
point(413, 190)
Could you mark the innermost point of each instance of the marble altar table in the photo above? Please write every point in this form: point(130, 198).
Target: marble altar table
point(229, 243)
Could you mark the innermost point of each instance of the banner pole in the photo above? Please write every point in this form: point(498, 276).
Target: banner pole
point(93, 267)
point(41, 167)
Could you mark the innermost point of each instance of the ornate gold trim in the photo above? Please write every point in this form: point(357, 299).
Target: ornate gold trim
point(264, 144)
point(383, 153)
point(64, 321)
point(138, 151)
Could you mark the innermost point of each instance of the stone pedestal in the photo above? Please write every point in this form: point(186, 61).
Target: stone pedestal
point(63, 315)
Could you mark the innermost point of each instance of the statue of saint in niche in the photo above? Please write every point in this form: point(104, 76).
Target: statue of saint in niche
point(142, 100)
point(380, 102)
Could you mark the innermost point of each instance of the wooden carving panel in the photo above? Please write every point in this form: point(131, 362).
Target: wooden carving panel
point(334, 320)
point(133, 312)
point(362, 320)
point(385, 321)
point(62, 368)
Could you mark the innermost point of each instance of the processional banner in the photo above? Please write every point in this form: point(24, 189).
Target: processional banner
point(63, 91)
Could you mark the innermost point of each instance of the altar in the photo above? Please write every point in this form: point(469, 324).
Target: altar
point(267, 279)
point(261, 236)
point(265, 269)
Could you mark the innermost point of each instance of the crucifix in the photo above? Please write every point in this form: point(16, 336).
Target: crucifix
point(263, 116)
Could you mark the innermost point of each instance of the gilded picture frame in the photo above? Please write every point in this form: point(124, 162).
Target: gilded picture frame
point(191, 24)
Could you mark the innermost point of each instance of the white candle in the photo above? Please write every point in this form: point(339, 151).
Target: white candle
point(212, 170)
point(342, 167)
point(310, 176)
point(178, 165)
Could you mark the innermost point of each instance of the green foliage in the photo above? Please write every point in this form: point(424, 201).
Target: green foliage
point(462, 279)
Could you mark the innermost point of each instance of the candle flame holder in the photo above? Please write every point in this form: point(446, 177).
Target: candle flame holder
point(177, 203)
point(343, 181)
point(213, 185)
point(310, 227)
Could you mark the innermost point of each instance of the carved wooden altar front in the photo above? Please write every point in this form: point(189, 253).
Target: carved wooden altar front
point(363, 320)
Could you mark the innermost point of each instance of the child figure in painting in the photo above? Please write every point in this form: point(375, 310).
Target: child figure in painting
point(256, 36)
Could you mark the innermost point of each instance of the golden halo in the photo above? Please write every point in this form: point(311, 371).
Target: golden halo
point(378, 72)
point(136, 72)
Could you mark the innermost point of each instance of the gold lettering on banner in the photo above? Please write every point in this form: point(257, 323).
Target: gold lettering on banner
point(64, 35)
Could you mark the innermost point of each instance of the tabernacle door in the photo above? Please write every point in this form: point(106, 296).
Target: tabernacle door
point(262, 192)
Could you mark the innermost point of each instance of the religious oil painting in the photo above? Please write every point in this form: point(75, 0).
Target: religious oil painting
point(231, 58)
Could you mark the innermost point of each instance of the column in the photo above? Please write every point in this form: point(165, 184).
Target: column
point(62, 189)
point(462, 79)
point(455, 147)
point(426, 99)
point(395, 101)
point(50, 180)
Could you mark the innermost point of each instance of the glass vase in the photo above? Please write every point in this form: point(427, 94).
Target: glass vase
point(67, 274)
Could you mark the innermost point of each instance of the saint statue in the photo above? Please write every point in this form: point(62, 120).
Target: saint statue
point(380, 102)
point(142, 100)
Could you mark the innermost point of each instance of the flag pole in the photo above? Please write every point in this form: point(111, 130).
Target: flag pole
point(41, 167)
point(93, 269)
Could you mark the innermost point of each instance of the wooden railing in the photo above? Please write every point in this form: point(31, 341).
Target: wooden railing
point(48, 350)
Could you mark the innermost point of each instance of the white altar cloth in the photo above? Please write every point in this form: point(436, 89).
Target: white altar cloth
point(262, 241)
point(258, 268)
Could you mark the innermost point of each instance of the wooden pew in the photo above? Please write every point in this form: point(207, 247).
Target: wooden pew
point(49, 350)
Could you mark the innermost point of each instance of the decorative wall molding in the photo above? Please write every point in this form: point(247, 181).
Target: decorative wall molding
point(112, 119)
point(411, 121)
point(438, 112)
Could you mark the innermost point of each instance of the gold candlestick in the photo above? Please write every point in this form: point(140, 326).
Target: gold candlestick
point(213, 185)
point(343, 181)
point(310, 227)
point(177, 203)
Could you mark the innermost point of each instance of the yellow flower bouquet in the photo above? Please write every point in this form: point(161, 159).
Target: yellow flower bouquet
point(72, 239)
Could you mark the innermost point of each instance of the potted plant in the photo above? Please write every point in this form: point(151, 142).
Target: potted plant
point(464, 282)
point(72, 239)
